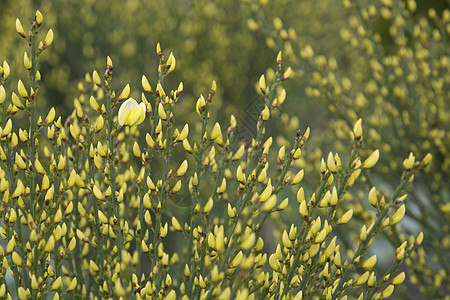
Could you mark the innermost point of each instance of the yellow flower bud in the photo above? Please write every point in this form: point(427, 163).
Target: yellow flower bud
point(274, 263)
point(346, 217)
point(6, 70)
point(171, 62)
point(176, 187)
point(215, 132)
point(331, 164)
point(98, 194)
point(262, 84)
point(26, 61)
point(269, 204)
point(283, 204)
point(398, 279)
point(39, 17)
point(240, 175)
point(102, 217)
point(163, 231)
point(160, 90)
point(239, 153)
point(265, 114)
point(16, 101)
point(93, 266)
point(419, 238)
point(398, 216)
point(266, 193)
point(387, 292)
point(125, 92)
point(362, 279)
point(20, 162)
point(96, 78)
point(23, 293)
point(357, 129)
point(17, 260)
point(2, 94)
point(184, 133)
point(71, 245)
point(303, 209)
point(232, 122)
point(176, 225)
point(136, 150)
point(72, 285)
point(208, 206)
point(426, 159)
point(373, 197)
point(146, 85)
point(298, 177)
point(371, 160)
point(161, 112)
point(248, 240)
point(50, 245)
point(56, 284)
point(281, 154)
point(182, 169)
point(49, 38)
point(370, 262)
point(409, 162)
point(19, 28)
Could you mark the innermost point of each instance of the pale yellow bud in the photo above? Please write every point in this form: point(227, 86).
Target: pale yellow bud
point(208, 206)
point(373, 197)
point(357, 129)
point(182, 169)
point(146, 85)
point(26, 61)
point(19, 28)
point(171, 62)
point(16, 101)
point(125, 92)
point(370, 262)
point(96, 78)
point(298, 177)
point(162, 112)
point(2, 94)
point(39, 17)
point(346, 217)
point(398, 216)
point(49, 38)
point(50, 116)
point(287, 73)
point(265, 114)
point(269, 204)
point(184, 133)
point(215, 132)
point(371, 160)
point(262, 84)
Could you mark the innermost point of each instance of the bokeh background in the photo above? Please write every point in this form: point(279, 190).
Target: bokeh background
point(234, 42)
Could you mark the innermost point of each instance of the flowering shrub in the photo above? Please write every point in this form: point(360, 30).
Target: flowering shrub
point(123, 199)
point(398, 82)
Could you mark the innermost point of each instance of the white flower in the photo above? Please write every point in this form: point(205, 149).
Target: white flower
point(131, 113)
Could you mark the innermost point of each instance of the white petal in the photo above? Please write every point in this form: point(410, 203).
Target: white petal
point(125, 109)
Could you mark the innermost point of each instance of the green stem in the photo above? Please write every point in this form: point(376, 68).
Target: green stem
point(94, 201)
point(112, 171)
point(33, 137)
point(147, 165)
point(195, 198)
point(162, 195)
